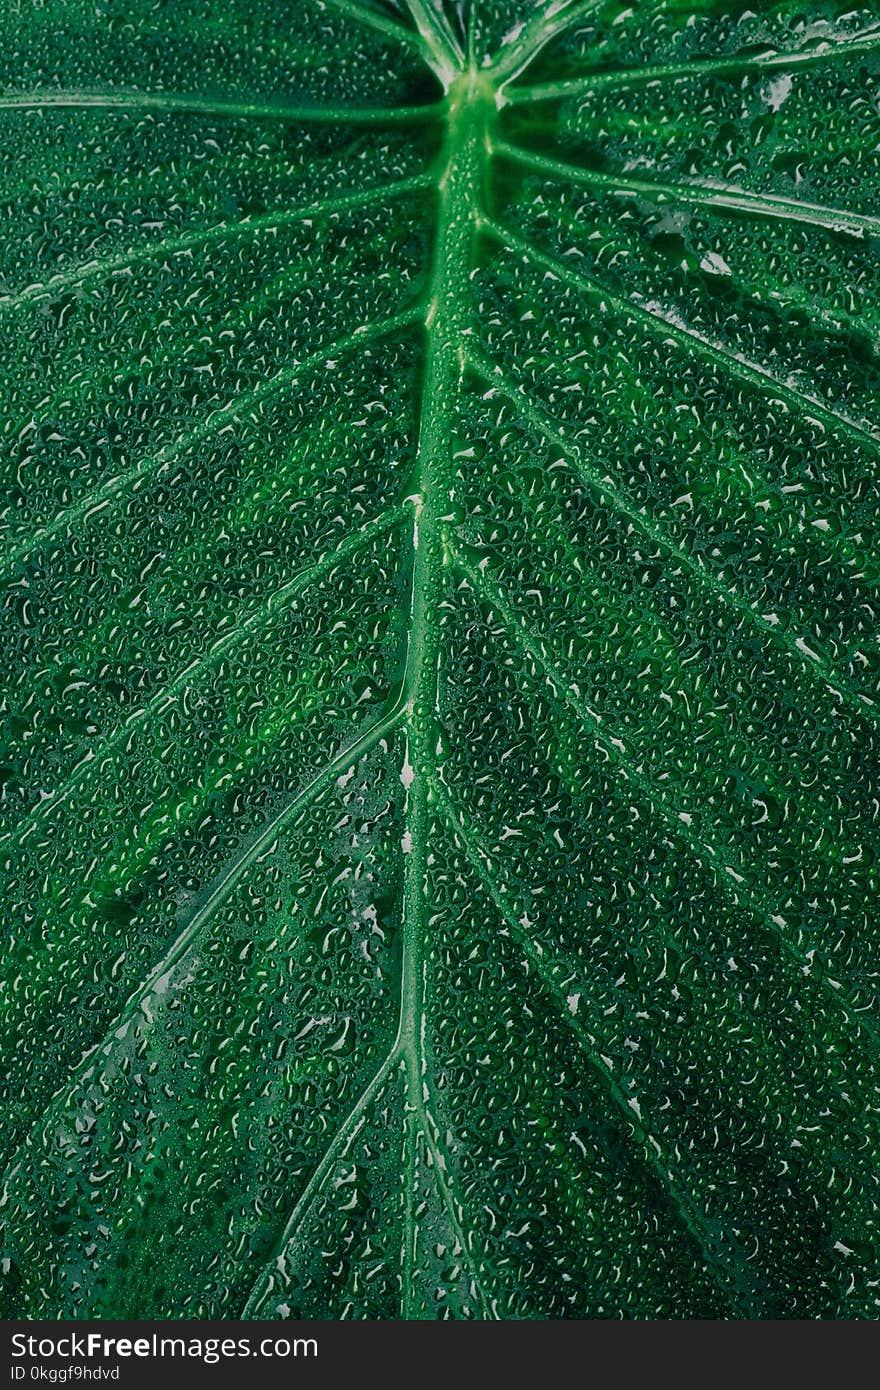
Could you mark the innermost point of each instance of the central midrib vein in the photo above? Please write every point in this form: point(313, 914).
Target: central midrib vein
point(470, 104)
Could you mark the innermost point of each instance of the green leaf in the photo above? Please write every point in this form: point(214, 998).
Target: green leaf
point(441, 702)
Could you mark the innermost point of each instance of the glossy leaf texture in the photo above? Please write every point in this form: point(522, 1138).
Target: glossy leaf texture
point(439, 775)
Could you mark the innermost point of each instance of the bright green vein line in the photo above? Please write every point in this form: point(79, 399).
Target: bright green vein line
point(105, 266)
point(694, 342)
point(410, 1231)
point(697, 67)
point(473, 12)
point(470, 108)
point(515, 56)
point(104, 495)
point(371, 19)
point(215, 106)
point(617, 496)
point(427, 1128)
point(657, 798)
point(652, 1153)
point(445, 54)
point(255, 621)
point(770, 205)
point(339, 1145)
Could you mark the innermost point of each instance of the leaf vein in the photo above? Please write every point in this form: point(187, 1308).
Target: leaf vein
point(615, 78)
point(179, 102)
point(771, 205)
point(341, 1142)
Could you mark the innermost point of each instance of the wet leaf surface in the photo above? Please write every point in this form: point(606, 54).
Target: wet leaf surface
point(440, 717)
